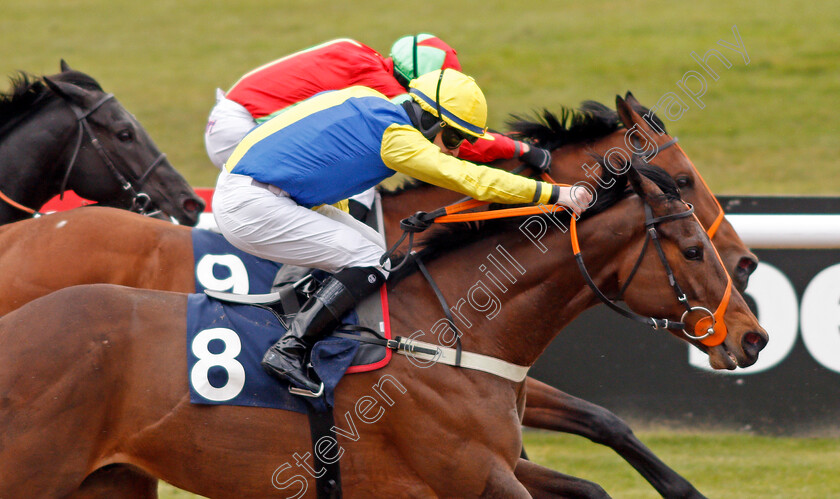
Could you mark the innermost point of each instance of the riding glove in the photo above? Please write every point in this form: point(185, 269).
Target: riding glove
point(537, 158)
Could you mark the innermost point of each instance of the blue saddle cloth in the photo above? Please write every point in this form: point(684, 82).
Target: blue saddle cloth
point(225, 343)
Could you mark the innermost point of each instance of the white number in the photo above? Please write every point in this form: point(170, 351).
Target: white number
point(821, 316)
point(226, 359)
point(236, 283)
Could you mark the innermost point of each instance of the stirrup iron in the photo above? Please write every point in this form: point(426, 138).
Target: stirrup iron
point(306, 393)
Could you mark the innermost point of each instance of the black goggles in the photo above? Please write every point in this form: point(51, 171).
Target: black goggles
point(452, 138)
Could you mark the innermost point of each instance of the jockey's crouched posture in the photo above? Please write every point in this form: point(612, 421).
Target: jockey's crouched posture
point(273, 197)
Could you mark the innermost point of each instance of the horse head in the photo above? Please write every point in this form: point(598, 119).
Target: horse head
point(115, 162)
point(648, 250)
point(685, 280)
point(633, 130)
point(738, 259)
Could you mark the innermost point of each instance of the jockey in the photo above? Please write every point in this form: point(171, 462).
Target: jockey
point(273, 197)
point(335, 65)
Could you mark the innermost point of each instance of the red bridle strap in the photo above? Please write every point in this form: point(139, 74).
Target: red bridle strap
point(702, 326)
point(714, 227)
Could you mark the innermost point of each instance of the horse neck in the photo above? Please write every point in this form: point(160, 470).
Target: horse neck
point(515, 321)
point(33, 156)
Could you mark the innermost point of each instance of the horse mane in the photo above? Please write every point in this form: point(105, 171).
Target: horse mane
point(590, 122)
point(29, 92)
point(454, 235)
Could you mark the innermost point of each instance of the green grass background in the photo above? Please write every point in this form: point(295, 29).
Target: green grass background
point(769, 127)
point(719, 465)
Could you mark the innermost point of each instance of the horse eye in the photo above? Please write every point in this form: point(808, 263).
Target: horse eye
point(693, 253)
point(125, 135)
point(683, 181)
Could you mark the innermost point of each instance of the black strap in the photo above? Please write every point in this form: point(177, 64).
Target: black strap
point(636, 266)
point(418, 222)
point(328, 485)
point(650, 223)
point(650, 321)
point(445, 306)
point(288, 299)
point(140, 200)
point(414, 58)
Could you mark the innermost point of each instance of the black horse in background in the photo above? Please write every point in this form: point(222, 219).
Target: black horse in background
point(63, 132)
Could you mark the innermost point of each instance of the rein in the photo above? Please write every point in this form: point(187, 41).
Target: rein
point(709, 330)
point(19, 206)
point(140, 201)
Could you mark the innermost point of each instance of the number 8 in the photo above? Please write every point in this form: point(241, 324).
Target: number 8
point(226, 359)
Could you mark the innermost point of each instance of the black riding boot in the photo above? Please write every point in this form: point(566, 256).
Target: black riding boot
point(318, 316)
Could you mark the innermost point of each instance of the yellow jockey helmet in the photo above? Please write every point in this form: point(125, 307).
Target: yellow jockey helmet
point(454, 97)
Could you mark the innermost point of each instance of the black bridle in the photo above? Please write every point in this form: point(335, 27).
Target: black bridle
point(705, 328)
point(651, 235)
point(140, 201)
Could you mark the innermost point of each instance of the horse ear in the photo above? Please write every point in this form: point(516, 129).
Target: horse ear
point(64, 66)
point(631, 99)
point(626, 109)
point(625, 112)
point(644, 187)
point(68, 91)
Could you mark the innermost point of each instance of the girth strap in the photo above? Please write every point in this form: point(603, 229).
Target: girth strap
point(328, 485)
point(430, 354)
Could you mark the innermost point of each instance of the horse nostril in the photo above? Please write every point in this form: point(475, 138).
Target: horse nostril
point(741, 276)
point(752, 343)
point(747, 265)
point(191, 205)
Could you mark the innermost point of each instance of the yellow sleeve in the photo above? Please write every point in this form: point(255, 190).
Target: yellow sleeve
point(405, 150)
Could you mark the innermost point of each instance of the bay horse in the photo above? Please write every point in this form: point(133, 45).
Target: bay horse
point(121, 249)
point(63, 132)
point(110, 388)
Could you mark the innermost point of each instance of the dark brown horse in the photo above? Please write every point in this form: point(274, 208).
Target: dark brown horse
point(63, 132)
point(126, 250)
point(110, 387)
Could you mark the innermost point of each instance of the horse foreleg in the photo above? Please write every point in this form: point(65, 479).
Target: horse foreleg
point(550, 409)
point(115, 482)
point(544, 482)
